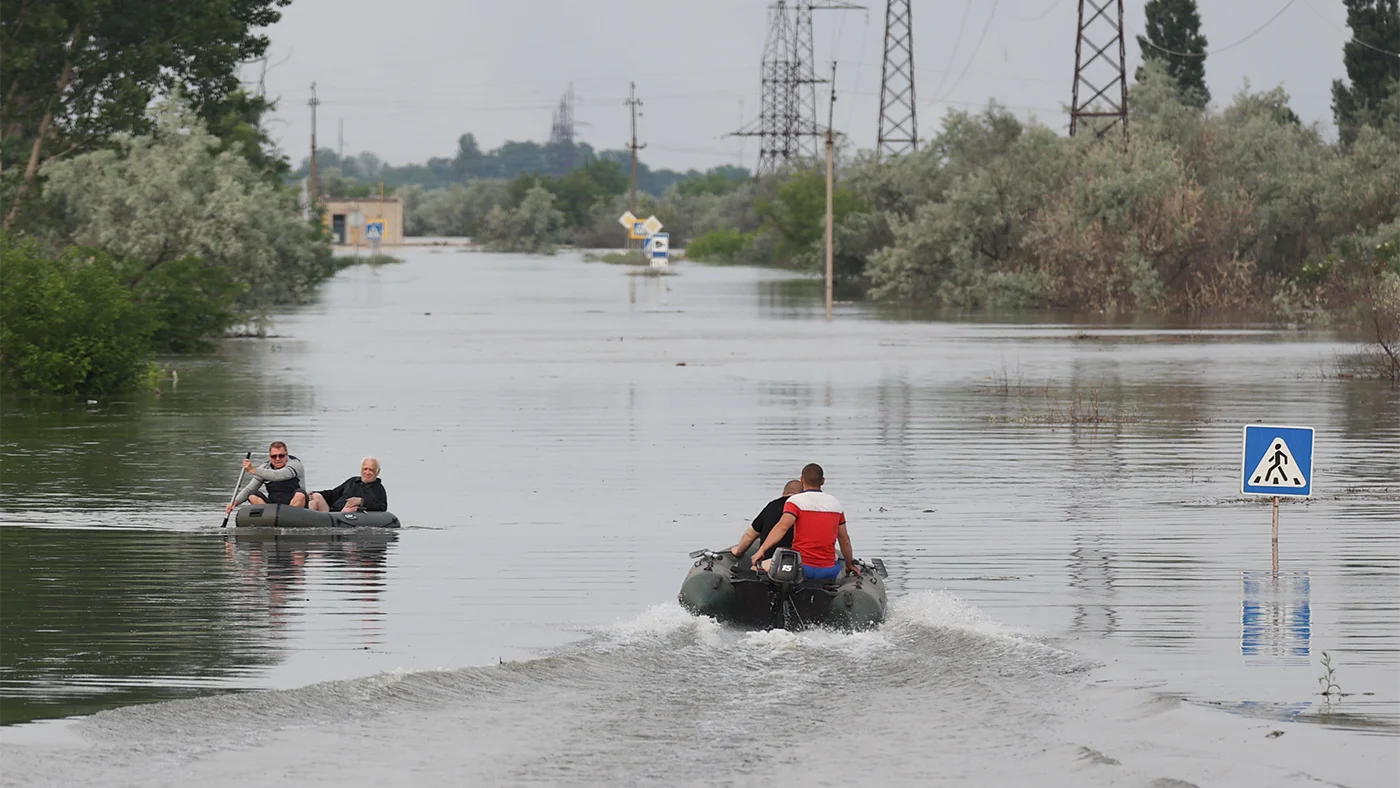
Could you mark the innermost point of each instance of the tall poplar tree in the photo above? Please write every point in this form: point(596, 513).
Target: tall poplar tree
point(1174, 39)
point(1374, 70)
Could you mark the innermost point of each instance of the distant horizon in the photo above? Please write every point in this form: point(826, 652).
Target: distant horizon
point(409, 84)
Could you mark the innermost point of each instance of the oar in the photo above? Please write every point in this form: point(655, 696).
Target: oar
point(236, 488)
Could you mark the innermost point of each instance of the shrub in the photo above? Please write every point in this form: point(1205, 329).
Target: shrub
point(69, 325)
point(723, 246)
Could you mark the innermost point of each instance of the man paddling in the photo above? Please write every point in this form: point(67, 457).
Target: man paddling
point(282, 475)
point(363, 493)
point(818, 521)
point(764, 522)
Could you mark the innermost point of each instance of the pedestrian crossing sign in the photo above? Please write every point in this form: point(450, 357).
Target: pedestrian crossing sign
point(1277, 461)
point(374, 229)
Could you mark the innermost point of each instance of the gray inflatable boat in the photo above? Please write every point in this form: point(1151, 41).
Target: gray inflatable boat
point(276, 515)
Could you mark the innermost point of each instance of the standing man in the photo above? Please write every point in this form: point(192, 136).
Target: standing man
point(764, 522)
point(818, 522)
point(283, 475)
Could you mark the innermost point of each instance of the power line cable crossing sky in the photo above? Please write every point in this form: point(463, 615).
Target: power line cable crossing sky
point(407, 86)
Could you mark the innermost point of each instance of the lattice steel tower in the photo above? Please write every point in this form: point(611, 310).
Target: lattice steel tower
point(561, 134)
point(899, 126)
point(1104, 66)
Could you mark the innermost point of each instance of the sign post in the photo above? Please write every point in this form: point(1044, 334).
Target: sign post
point(1277, 462)
point(659, 249)
point(374, 233)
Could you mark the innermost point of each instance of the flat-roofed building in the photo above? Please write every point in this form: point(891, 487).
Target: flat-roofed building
point(340, 220)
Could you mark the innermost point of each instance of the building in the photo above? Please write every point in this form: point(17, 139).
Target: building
point(340, 220)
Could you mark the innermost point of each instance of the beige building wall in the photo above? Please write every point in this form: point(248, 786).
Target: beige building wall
point(388, 210)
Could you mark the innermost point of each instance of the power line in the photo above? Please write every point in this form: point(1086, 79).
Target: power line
point(1040, 16)
point(1354, 39)
point(1228, 46)
point(975, 49)
point(957, 42)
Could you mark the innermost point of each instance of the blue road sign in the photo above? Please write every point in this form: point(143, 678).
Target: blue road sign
point(374, 231)
point(1277, 460)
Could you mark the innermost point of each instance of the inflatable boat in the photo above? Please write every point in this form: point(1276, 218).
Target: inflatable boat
point(276, 515)
point(726, 588)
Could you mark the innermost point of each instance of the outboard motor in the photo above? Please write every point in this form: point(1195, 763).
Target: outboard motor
point(786, 569)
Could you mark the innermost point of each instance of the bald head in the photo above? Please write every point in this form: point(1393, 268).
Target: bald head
point(793, 487)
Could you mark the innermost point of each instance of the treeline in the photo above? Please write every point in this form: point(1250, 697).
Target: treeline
point(362, 174)
point(1241, 210)
point(143, 207)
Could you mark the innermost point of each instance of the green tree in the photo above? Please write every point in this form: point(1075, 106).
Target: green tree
point(1174, 39)
point(78, 71)
point(797, 216)
point(154, 200)
point(577, 192)
point(1373, 69)
point(532, 226)
point(68, 325)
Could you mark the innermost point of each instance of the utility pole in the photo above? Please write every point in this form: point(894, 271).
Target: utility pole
point(1109, 71)
point(633, 102)
point(899, 128)
point(830, 180)
point(315, 181)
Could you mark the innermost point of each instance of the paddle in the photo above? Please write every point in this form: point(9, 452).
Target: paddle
point(236, 488)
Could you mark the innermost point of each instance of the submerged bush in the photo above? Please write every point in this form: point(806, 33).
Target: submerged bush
point(69, 324)
point(724, 246)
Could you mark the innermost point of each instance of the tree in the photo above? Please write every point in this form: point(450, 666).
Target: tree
point(1373, 72)
point(76, 72)
point(1174, 39)
point(154, 200)
point(532, 226)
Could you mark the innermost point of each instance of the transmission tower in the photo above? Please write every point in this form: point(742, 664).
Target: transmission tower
point(1102, 65)
point(807, 81)
point(899, 127)
point(561, 134)
point(787, 118)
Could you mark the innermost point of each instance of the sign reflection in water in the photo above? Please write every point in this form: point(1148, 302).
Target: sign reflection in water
point(1275, 618)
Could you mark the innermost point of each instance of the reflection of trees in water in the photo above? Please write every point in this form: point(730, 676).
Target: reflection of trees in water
point(99, 618)
point(1370, 417)
point(182, 446)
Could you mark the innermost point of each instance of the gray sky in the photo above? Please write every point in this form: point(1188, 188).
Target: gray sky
point(406, 78)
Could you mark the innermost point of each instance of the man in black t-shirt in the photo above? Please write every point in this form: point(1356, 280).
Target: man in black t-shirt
point(764, 522)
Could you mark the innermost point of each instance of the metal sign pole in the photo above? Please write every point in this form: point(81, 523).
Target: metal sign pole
point(1275, 534)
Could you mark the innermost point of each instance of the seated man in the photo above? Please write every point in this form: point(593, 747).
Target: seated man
point(764, 522)
point(818, 521)
point(282, 475)
point(363, 493)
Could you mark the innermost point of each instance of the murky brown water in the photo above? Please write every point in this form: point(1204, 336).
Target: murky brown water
point(1057, 501)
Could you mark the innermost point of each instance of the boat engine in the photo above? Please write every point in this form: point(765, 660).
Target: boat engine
point(786, 569)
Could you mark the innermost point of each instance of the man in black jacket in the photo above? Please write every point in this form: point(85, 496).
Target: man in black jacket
point(363, 493)
point(765, 521)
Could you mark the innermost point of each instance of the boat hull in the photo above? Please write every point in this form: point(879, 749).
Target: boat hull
point(720, 586)
point(276, 515)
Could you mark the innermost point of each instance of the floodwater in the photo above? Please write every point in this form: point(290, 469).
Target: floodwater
point(1079, 593)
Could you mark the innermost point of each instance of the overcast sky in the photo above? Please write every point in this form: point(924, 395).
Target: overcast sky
point(406, 78)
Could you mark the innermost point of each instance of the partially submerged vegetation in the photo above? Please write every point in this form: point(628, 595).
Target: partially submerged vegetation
point(142, 220)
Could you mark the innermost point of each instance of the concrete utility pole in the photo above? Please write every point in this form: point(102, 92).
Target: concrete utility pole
point(633, 102)
point(830, 181)
point(313, 102)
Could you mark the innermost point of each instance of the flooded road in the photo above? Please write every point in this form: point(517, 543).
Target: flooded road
point(1078, 590)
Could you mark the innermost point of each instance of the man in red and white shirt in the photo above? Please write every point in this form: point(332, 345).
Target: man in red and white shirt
point(818, 524)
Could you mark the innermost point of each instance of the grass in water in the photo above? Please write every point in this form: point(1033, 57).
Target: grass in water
point(1079, 405)
point(617, 258)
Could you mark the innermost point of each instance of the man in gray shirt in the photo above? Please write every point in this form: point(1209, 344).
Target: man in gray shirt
point(283, 475)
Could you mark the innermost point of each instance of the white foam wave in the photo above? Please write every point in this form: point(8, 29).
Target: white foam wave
point(942, 610)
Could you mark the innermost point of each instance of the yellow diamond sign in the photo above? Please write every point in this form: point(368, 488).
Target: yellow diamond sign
point(653, 225)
